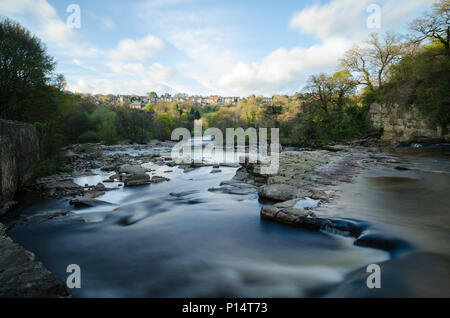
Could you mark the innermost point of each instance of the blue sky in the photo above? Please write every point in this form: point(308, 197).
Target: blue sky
point(229, 47)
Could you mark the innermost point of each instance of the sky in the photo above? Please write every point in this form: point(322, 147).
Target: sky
point(203, 47)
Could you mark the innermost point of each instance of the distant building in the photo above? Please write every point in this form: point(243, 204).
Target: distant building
point(137, 105)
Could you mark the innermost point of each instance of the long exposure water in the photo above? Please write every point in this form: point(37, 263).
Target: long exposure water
point(177, 239)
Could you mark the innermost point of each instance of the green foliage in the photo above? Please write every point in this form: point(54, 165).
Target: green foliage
point(88, 136)
point(47, 167)
point(163, 126)
point(423, 78)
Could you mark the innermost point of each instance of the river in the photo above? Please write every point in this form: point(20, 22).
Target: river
point(177, 239)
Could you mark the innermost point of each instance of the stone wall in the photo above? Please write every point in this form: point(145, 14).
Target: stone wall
point(19, 154)
point(404, 124)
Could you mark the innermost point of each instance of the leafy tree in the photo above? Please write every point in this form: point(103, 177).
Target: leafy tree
point(152, 95)
point(25, 71)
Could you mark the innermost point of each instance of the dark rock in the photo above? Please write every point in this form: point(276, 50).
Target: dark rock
point(382, 241)
point(136, 179)
point(87, 202)
point(6, 207)
point(158, 179)
point(48, 214)
point(22, 276)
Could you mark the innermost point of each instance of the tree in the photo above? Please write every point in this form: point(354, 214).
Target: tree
point(435, 25)
point(25, 69)
point(152, 95)
point(371, 61)
point(331, 90)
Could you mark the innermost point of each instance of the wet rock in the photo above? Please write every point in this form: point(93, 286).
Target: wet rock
point(286, 204)
point(22, 276)
point(286, 218)
point(381, 241)
point(132, 169)
point(234, 188)
point(182, 194)
point(109, 168)
point(281, 192)
point(88, 202)
point(269, 212)
point(6, 207)
point(297, 212)
point(136, 179)
point(400, 168)
point(48, 214)
point(157, 179)
point(3, 230)
point(62, 185)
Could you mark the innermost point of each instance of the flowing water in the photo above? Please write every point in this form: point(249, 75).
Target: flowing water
point(177, 239)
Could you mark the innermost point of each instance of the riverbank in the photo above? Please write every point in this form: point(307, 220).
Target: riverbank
point(22, 276)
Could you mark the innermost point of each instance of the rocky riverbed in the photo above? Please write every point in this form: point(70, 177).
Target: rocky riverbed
point(307, 180)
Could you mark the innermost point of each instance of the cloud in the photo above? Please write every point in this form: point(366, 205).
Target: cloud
point(282, 69)
point(348, 17)
point(39, 14)
point(82, 65)
point(156, 72)
point(207, 54)
point(140, 49)
point(114, 86)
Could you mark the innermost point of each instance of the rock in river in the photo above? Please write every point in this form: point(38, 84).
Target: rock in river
point(137, 179)
point(281, 192)
point(132, 169)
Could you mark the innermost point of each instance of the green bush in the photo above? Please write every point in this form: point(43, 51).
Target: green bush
point(46, 168)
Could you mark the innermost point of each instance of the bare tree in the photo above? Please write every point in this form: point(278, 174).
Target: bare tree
point(434, 25)
point(371, 61)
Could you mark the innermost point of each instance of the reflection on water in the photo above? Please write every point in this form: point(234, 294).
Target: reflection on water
point(176, 239)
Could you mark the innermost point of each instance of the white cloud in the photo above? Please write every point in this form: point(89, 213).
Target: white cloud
point(40, 14)
point(348, 17)
point(78, 63)
point(140, 49)
point(156, 72)
point(283, 69)
point(113, 86)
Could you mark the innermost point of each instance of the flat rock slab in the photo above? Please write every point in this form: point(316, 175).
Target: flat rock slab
point(281, 192)
point(62, 185)
point(88, 202)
